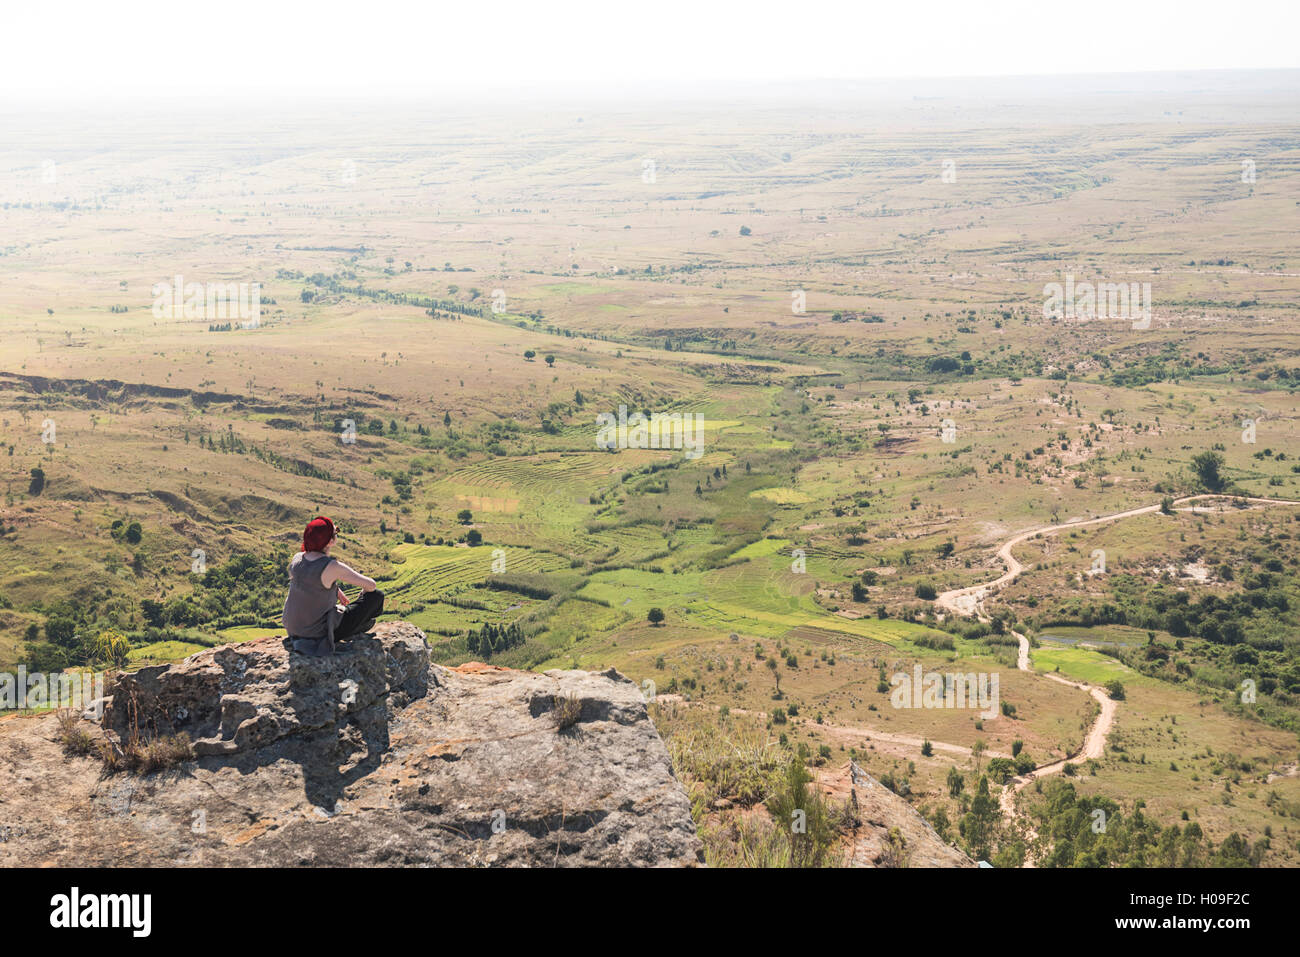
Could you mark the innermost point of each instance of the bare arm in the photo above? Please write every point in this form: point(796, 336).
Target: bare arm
point(336, 571)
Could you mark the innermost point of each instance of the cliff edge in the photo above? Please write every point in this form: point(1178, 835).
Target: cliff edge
point(374, 756)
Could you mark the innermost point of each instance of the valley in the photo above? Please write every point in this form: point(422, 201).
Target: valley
point(902, 460)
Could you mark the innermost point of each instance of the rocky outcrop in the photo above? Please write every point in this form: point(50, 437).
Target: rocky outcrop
point(371, 757)
point(891, 832)
point(251, 696)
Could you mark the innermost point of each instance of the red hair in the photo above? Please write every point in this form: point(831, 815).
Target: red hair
point(318, 533)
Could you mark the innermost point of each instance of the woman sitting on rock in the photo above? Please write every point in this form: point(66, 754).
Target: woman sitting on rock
point(312, 614)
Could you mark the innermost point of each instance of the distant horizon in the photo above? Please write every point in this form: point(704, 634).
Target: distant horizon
point(896, 89)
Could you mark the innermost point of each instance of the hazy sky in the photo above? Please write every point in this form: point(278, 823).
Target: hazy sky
point(382, 47)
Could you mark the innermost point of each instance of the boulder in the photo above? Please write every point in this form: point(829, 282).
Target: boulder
point(248, 696)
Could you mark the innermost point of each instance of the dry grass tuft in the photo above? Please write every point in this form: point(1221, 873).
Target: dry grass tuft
point(144, 755)
point(568, 710)
point(74, 737)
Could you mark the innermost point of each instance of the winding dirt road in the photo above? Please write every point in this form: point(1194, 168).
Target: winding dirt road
point(1094, 744)
point(969, 602)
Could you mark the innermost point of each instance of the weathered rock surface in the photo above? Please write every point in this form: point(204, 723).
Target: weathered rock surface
point(880, 811)
point(371, 757)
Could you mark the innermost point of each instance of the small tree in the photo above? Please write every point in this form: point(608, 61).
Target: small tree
point(655, 616)
point(1208, 467)
point(529, 354)
point(956, 781)
point(804, 816)
point(465, 516)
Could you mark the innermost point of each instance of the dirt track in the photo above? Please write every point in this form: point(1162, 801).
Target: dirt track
point(966, 601)
point(969, 602)
point(1094, 744)
point(904, 745)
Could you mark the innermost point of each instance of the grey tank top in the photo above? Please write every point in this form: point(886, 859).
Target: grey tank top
point(310, 609)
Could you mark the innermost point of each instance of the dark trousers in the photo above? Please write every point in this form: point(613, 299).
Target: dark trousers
point(360, 615)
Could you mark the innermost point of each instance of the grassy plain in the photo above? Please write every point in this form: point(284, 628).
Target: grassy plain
point(914, 415)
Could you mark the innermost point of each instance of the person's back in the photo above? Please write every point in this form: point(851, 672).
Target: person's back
point(310, 609)
point(311, 613)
